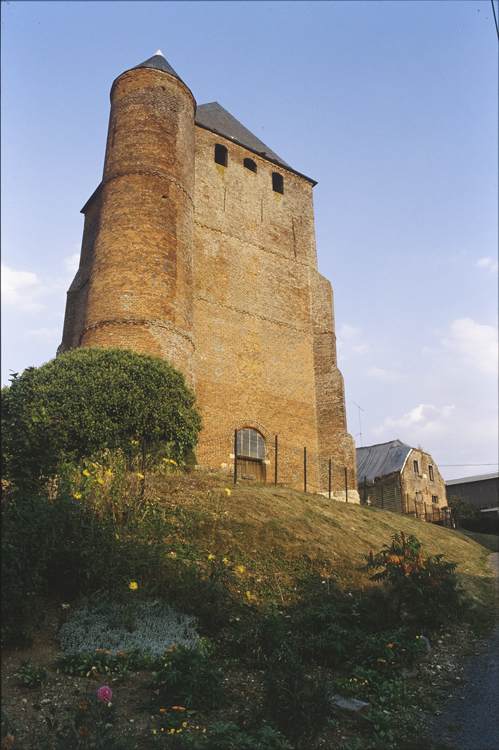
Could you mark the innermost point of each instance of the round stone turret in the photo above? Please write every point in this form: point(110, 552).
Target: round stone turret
point(140, 286)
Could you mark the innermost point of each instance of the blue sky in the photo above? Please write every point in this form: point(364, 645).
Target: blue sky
point(390, 106)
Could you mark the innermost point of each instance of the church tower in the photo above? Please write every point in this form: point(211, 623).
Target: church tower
point(134, 285)
point(199, 247)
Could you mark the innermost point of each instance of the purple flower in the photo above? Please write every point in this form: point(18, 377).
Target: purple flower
point(104, 694)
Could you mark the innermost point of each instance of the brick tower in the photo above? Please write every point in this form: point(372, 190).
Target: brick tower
point(134, 285)
point(199, 247)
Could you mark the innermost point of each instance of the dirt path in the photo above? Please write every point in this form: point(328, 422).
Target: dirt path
point(470, 718)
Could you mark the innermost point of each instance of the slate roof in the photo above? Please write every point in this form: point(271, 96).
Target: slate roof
point(158, 62)
point(476, 478)
point(382, 459)
point(215, 118)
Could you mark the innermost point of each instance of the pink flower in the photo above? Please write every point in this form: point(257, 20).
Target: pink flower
point(104, 694)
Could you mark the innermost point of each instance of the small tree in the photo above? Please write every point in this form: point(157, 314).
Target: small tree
point(89, 400)
point(461, 506)
point(425, 586)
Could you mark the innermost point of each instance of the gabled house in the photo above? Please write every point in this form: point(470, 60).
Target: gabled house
point(393, 476)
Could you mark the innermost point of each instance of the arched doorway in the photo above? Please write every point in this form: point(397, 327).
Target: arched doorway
point(250, 454)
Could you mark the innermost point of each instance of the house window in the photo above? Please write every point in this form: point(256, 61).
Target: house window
point(250, 444)
point(431, 474)
point(220, 155)
point(434, 498)
point(419, 497)
point(277, 183)
point(416, 468)
point(250, 164)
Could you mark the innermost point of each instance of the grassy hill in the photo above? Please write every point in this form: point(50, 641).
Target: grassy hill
point(280, 535)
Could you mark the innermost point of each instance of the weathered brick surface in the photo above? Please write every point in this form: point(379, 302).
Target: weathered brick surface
point(212, 269)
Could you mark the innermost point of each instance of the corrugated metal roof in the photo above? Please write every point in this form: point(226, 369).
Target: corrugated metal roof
point(382, 459)
point(476, 478)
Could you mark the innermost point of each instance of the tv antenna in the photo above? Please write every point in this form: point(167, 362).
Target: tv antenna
point(360, 424)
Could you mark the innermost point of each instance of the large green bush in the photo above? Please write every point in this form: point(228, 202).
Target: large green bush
point(89, 400)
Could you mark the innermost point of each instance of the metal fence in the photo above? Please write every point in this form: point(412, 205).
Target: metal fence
point(294, 466)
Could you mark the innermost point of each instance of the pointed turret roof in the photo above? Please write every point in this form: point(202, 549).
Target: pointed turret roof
point(158, 62)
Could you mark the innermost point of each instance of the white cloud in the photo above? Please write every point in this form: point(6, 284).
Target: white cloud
point(489, 263)
point(20, 288)
point(424, 422)
point(72, 262)
point(348, 343)
point(387, 376)
point(476, 344)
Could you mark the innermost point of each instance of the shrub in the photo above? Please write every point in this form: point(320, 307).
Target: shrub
point(299, 705)
point(157, 628)
point(87, 400)
point(426, 587)
point(188, 679)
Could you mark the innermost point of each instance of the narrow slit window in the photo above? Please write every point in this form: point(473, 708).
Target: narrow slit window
point(416, 468)
point(431, 474)
point(277, 183)
point(221, 155)
point(250, 164)
point(434, 499)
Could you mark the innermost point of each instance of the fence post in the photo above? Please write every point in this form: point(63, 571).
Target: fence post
point(425, 513)
point(346, 485)
point(235, 456)
point(305, 469)
point(275, 472)
point(330, 479)
point(416, 507)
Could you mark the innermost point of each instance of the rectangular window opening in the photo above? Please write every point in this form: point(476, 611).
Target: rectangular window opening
point(431, 474)
point(277, 183)
point(221, 155)
point(416, 468)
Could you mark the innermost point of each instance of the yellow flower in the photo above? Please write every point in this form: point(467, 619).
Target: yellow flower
point(140, 476)
point(172, 731)
point(77, 495)
point(109, 473)
point(248, 594)
point(211, 557)
point(240, 568)
point(154, 731)
point(101, 481)
point(117, 536)
point(227, 491)
point(178, 730)
point(87, 473)
point(225, 560)
point(184, 724)
point(173, 462)
point(133, 586)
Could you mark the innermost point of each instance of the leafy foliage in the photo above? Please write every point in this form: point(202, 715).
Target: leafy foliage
point(31, 676)
point(87, 400)
point(298, 704)
point(188, 678)
point(425, 586)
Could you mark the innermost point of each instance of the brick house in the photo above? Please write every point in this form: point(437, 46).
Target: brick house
point(405, 480)
point(199, 247)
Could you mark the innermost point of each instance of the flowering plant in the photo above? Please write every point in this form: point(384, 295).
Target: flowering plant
point(104, 694)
